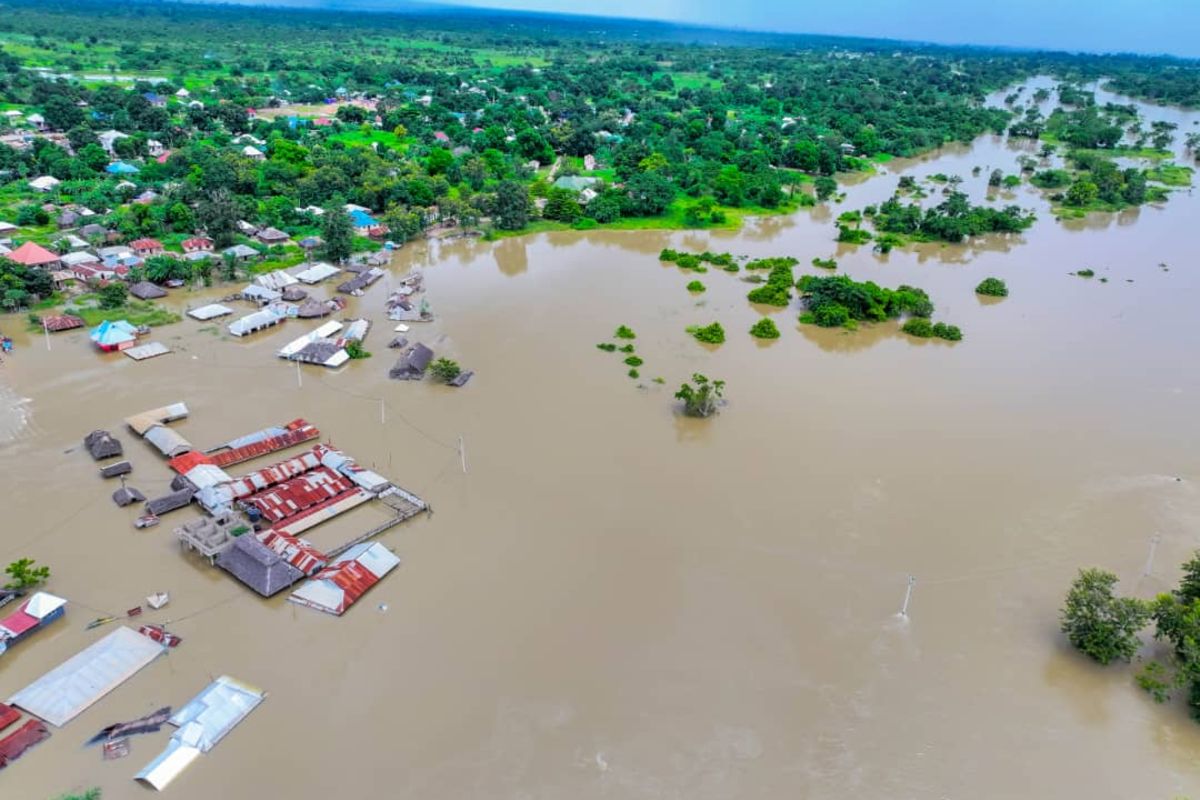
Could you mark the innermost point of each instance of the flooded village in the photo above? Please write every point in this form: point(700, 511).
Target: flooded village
point(286, 561)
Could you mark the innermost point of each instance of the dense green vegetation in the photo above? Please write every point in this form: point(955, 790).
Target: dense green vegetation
point(695, 287)
point(924, 329)
point(838, 300)
point(702, 397)
point(992, 287)
point(20, 285)
point(777, 291)
point(1097, 622)
point(23, 574)
point(1105, 627)
point(952, 220)
point(444, 370)
point(765, 328)
point(709, 334)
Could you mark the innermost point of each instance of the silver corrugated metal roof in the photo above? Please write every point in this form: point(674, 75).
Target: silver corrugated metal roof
point(168, 442)
point(65, 691)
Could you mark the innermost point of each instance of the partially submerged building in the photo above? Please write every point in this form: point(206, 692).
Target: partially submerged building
point(412, 364)
point(35, 613)
point(201, 724)
point(258, 321)
point(257, 566)
point(102, 445)
point(74, 685)
point(340, 585)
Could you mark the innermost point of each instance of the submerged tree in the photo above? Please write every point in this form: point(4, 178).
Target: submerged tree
point(444, 370)
point(701, 397)
point(1100, 624)
point(24, 575)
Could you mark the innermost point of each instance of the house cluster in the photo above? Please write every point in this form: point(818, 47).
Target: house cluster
point(253, 523)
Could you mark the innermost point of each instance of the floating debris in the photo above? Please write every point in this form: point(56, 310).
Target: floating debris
point(116, 748)
point(158, 600)
point(151, 723)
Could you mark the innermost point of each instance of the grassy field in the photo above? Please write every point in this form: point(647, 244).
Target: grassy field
point(1171, 175)
point(137, 312)
point(359, 138)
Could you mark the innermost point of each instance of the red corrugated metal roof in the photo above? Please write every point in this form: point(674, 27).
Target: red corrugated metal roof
point(293, 496)
point(18, 622)
point(8, 715)
point(354, 579)
point(12, 746)
point(297, 552)
point(185, 463)
point(237, 455)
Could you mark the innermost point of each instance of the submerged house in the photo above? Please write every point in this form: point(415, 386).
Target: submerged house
point(258, 566)
point(145, 290)
point(32, 615)
point(102, 445)
point(412, 365)
point(340, 585)
point(113, 336)
point(258, 321)
point(202, 723)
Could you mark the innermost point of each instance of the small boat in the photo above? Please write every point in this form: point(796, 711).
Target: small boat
point(146, 521)
point(96, 623)
point(158, 600)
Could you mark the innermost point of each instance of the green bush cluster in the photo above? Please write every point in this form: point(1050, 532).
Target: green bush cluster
point(777, 291)
point(709, 334)
point(924, 329)
point(772, 263)
point(625, 332)
point(825, 263)
point(695, 261)
point(695, 286)
point(765, 328)
point(992, 287)
point(837, 300)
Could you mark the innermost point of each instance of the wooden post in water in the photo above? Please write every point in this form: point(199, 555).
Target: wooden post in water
point(1150, 558)
point(912, 580)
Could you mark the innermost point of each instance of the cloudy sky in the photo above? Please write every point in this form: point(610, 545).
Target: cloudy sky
point(1144, 26)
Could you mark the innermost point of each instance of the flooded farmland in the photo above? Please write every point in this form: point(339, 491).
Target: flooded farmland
point(613, 601)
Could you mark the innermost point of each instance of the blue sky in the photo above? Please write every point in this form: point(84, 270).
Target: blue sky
point(1143, 26)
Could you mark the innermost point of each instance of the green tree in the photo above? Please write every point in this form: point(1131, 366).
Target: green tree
point(217, 214)
point(825, 187)
point(24, 575)
point(337, 232)
point(1100, 624)
point(561, 205)
point(511, 206)
point(444, 370)
point(113, 295)
point(702, 397)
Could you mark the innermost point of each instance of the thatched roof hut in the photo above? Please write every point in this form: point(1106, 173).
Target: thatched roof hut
point(102, 445)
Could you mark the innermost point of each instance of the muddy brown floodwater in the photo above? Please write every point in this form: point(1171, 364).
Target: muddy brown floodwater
point(615, 602)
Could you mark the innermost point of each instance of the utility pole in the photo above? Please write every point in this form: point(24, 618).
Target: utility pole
point(382, 417)
point(46, 330)
point(912, 580)
point(1154, 540)
point(299, 379)
point(462, 453)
